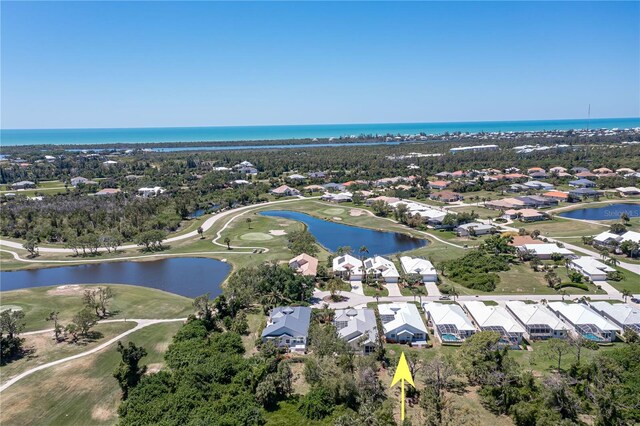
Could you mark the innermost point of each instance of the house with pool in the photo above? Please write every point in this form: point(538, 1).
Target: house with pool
point(450, 323)
point(498, 319)
point(288, 327)
point(621, 314)
point(586, 321)
point(402, 323)
point(538, 321)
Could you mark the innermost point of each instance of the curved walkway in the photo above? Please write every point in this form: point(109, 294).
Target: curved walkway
point(141, 323)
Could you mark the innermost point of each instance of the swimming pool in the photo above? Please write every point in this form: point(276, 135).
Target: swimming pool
point(450, 338)
point(592, 337)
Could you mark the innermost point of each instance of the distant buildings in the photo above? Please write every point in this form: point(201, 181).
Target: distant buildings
point(546, 251)
point(108, 191)
point(474, 229)
point(446, 196)
point(288, 327)
point(474, 148)
point(285, 191)
point(150, 191)
point(81, 180)
point(24, 184)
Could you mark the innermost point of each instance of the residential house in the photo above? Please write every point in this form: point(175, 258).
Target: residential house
point(621, 314)
point(517, 187)
point(150, 191)
point(284, 191)
point(610, 240)
point(474, 228)
point(304, 264)
point(450, 323)
point(24, 184)
point(430, 215)
point(317, 175)
point(332, 186)
point(439, 184)
point(546, 251)
point(446, 196)
point(586, 321)
point(557, 170)
point(348, 267)
point(602, 171)
point(591, 268)
point(628, 191)
point(296, 177)
point(538, 321)
point(358, 328)
point(583, 192)
point(522, 240)
point(585, 175)
point(108, 191)
point(313, 188)
point(498, 319)
point(422, 267)
point(577, 170)
point(342, 197)
point(538, 175)
point(81, 180)
point(531, 215)
point(557, 195)
point(288, 327)
point(536, 201)
point(380, 267)
point(535, 170)
point(536, 184)
point(383, 198)
point(402, 323)
point(582, 183)
point(475, 148)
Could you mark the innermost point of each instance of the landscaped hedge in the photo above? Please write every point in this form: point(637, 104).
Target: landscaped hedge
point(581, 286)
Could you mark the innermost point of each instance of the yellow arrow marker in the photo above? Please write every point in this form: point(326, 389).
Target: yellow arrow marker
point(402, 373)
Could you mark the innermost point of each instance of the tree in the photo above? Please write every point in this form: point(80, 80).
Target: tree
point(11, 325)
point(204, 310)
point(316, 404)
point(578, 342)
point(302, 241)
point(342, 250)
point(102, 300)
point(248, 220)
point(227, 241)
point(91, 300)
point(626, 293)
point(480, 355)
point(73, 330)
point(85, 320)
point(333, 286)
point(151, 240)
point(556, 348)
point(618, 228)
point(439, 378)
point(201, 232)
point(57, 328)
point(625, 217)
point(363, 250)
point(31, 246)
point(128, 373)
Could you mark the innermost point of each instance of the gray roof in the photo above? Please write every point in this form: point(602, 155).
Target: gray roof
point(290, 320)
point(360, 322)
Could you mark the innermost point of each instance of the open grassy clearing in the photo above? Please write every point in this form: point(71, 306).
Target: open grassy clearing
point(483, 212)
point(128, 302)
point(43, 348)
point(82, 391)
point(559, 227)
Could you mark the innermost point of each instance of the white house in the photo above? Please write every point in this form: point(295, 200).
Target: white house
point(348, 267)
point(427, 213)
point(284, 191)
point(586, 321)
point(546, 251)
point(381, 267)
point(416, 265)
point(538, 321)
point(450, 323)
point(609, 239)
point(288, 327)
point(478, 229)
point(150, 192)
point(358, 328)
point(498, 319)
point(402, 323)
point(621, 314)
point(591, 268)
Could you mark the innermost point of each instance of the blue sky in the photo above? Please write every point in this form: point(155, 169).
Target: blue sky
point(101, 64)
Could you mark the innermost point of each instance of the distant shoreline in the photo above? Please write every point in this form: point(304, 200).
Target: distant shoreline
point(291, 133)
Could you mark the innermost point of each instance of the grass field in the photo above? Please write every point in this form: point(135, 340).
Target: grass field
point(128, 302)
point(559, 227)
point(43, 348)
point(83, 391)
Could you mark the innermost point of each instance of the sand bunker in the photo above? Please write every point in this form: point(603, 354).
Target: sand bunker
point(10, 307)
point(356, 212)
point(337, 218)
point(65, 290)
point(256, 236)
point(278, 232)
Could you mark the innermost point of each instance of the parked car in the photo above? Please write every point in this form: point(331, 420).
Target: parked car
point(445, 298)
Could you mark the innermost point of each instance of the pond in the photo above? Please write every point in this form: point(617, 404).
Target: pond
point(607, 212)
point(185, 276)
point(332, 235)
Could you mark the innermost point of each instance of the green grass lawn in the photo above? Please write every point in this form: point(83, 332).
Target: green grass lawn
point(128, 302)
point(483, 212)
point(559, 227)
point(43, 348)
point(82, 391)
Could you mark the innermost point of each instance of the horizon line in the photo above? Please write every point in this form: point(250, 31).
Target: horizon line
point(316, 124)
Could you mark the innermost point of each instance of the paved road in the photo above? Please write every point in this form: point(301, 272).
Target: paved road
point(141, 323)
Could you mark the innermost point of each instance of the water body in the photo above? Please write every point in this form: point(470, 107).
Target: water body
point(333, 235)
point(248, 133)
point(188, 277)
point(610, 212)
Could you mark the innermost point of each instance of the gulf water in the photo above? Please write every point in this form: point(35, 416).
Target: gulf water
point(12, 137)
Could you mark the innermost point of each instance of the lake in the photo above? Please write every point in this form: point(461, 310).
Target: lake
point(610, 212)
point(333, 235)
point(185, 276)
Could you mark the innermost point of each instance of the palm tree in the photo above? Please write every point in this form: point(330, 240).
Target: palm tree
point(363, 250)
point(227, 241)
point(626, 293)
point(201, 232)
point(333, 286)
point(454, 293)
point(563, 294)
point(249, 222)
point(612, 261)
point(604, 253)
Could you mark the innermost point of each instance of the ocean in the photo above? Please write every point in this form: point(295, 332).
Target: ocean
point(13, 137)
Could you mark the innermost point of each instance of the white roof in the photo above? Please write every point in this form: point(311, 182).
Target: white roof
point(420, 209)
point(531, 314)
point(579, 314)
point(403, 313)
point(549, 248)
point(475, 225)
point(154, 189)
point(416, 265)
point(619, 312)
point(591, 265)
point(446, 313)
point(628, 189)
point(627, 236)
point(381, 265)
point(347, 262)
point(493, 316)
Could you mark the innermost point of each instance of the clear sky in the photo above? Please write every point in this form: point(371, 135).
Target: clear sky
point(119, 64)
